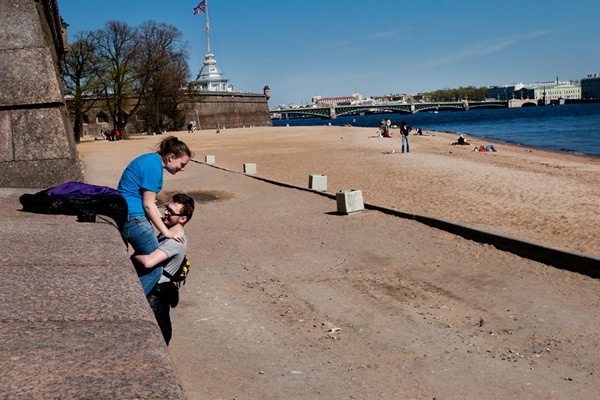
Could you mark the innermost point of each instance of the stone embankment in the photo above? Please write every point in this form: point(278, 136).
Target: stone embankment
point(74, 322)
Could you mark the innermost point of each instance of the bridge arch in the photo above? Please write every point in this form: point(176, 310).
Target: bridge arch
point(529, 104)
point(516, 103)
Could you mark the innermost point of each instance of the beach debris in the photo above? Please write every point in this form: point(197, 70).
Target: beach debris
point(334, 330)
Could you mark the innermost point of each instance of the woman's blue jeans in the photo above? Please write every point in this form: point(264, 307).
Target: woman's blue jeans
point(405, 138)
point(139, 233)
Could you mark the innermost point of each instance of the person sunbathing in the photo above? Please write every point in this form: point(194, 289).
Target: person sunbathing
point(461, 141)
point(489, 147)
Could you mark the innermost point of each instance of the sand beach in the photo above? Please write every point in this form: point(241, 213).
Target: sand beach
point(288, 299)
point(545, 197)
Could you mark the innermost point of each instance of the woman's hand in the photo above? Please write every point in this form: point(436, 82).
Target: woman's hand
point(148, 200)
point(179, 236)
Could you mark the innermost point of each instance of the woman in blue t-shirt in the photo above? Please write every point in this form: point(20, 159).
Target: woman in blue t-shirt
point(139, 184)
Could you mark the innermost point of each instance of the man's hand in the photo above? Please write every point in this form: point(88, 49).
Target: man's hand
point(149, 261)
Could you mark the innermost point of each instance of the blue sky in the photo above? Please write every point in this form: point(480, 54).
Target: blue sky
point(334, 48)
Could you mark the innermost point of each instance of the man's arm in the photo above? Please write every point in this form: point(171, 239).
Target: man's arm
point(150, 260)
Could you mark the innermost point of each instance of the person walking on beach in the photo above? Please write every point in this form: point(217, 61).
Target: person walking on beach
point(139, 184)
point(165, 294)
point(404, 132)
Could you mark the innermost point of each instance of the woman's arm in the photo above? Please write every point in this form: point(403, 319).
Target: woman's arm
point(148, 201)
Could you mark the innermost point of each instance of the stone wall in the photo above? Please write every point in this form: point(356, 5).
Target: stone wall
point(228, 110)
point(37, 148)
point(74, 321)
point(207, 109)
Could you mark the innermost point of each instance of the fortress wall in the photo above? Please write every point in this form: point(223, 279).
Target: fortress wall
point(37, 148)
point(229, 110)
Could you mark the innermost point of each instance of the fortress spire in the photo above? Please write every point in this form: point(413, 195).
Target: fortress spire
point(210, 78)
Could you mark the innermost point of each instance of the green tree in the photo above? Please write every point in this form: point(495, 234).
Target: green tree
point(462, 93)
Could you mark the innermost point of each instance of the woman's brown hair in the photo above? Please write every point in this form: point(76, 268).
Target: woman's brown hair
point(172, 145)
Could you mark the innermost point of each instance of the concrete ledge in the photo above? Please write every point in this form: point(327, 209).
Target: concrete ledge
point(573, 261)
point(585, 264)
point(74, 322)
point(85, 360)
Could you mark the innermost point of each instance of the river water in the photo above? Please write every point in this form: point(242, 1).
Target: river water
point(569, 128)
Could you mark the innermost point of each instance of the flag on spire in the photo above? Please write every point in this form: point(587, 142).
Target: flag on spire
point(201, 8)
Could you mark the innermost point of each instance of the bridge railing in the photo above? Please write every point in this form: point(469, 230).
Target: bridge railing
point(332, 111)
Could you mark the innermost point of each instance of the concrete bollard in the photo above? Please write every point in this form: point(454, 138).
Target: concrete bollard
point(349, 201)
point(317, 182)
point(210, 160)
point(250, 169)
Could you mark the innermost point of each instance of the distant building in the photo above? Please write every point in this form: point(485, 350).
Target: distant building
point(590, 87)
point(503, 92)
point(355, 98)
point(211, 78)
point(555, 92)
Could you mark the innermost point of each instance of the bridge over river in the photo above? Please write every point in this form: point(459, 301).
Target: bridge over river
point(333, 111)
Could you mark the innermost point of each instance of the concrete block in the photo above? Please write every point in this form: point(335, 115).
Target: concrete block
point(349, 201)
point(317, 182)
point(210, 160)
point(250, 168)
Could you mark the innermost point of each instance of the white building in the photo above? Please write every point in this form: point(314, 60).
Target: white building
point(211, 78)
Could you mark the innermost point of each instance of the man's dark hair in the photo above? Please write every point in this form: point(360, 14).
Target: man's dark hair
point(187, 202)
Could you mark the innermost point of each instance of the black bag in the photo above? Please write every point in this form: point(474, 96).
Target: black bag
point(79, 199)
point(181, 274)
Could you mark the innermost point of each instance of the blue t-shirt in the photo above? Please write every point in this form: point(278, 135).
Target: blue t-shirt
point(145, 172)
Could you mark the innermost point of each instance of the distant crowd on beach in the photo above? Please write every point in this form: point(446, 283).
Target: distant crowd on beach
point(385, 127)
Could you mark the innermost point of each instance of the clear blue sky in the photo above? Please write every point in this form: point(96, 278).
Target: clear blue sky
point(334, 48)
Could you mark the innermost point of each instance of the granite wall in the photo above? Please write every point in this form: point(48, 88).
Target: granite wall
point(207, 109)
point(228, 110)
point(37, 148)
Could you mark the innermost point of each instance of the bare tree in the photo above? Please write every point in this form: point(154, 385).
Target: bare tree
point(116, 51)
point(161, 68)
point(80, 82)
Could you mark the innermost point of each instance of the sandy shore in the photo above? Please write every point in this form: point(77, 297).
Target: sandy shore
point(287, 299)
point(545, 197)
